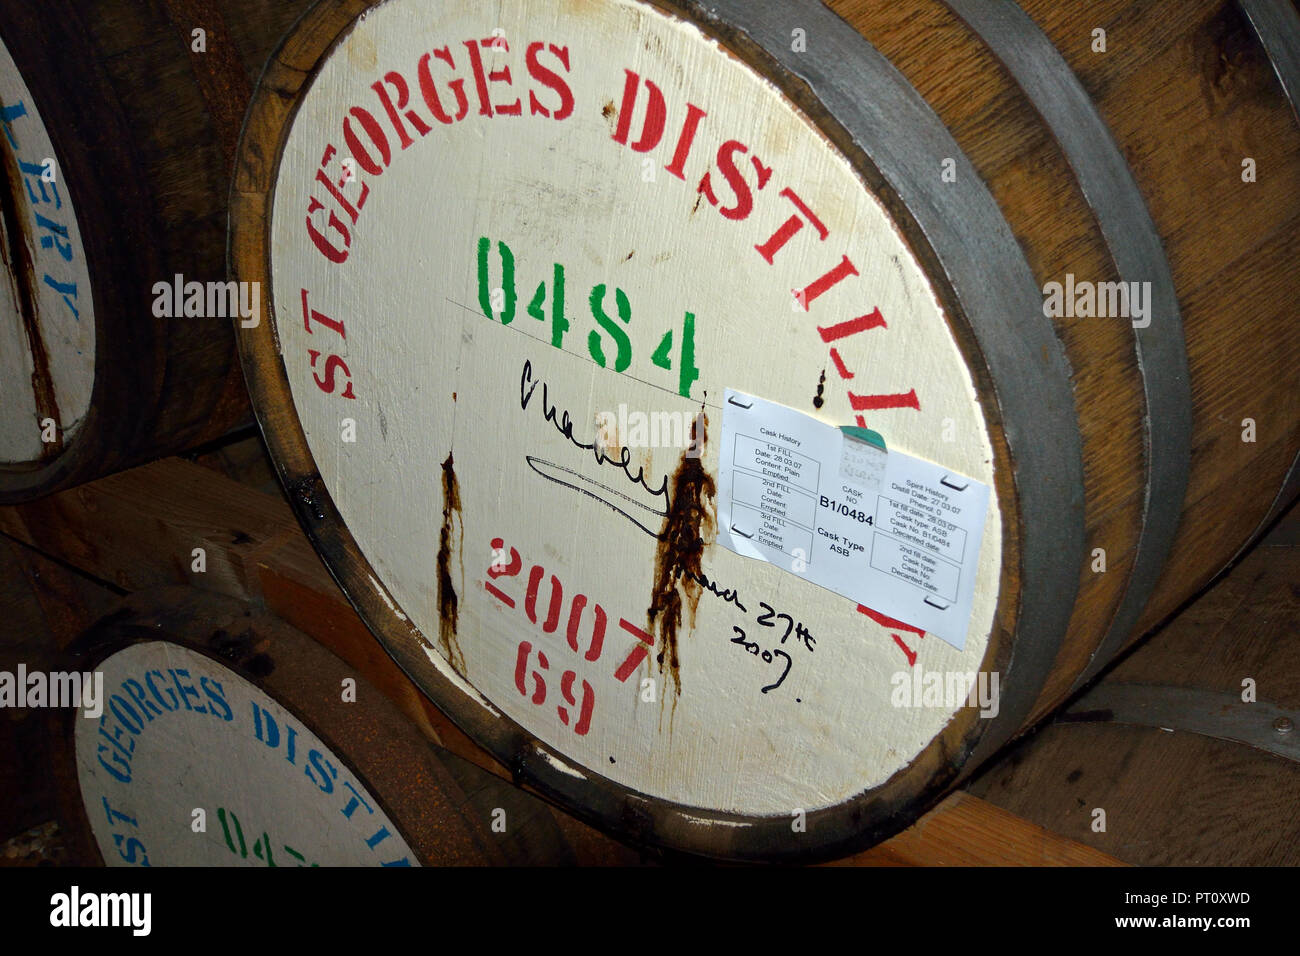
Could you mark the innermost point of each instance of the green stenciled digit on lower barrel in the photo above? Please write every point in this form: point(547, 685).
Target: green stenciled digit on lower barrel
point(262, 848)
point(624, 357)
point(242, 852)
point(507, 287)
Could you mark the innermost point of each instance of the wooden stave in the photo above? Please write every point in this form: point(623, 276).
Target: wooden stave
point(1278, 29)
point(1137, 251)
point(1233, 40)
point(442, 804)
point(1083, 655)
point(948, 757)
point(123, 124)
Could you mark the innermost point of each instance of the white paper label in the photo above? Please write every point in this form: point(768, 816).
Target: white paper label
point(895, 533)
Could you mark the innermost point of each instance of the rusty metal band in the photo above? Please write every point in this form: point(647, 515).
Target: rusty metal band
point(1277, 25)
point(907, 142)
point(1258, 724)
point(220, 75)
point(1121, 213)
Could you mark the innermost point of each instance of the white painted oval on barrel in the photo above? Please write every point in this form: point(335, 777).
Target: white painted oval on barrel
point(46, 274)
point(180, 732)
point(447, 172)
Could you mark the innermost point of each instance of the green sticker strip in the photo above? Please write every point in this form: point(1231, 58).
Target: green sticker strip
point(866, 435)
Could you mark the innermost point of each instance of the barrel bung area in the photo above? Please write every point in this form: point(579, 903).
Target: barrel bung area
point(647, 432)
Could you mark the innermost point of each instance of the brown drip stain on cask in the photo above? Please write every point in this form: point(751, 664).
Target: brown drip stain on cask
point(218, 71)
point(1232, 62)
point(18, 260)
point(689, 527)
point(304, 490)
point(448, 603)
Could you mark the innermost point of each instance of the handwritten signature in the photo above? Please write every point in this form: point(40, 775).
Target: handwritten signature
point(638, 512)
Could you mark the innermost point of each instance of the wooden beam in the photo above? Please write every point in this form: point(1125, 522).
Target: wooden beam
point(966, 831)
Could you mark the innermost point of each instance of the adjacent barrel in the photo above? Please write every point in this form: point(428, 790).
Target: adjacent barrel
point(742, 419)
point(120, 121)
point(210, 733)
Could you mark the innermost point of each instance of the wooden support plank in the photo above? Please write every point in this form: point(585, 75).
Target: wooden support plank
point(69, 601)
point(964, 830)
point(139, 528)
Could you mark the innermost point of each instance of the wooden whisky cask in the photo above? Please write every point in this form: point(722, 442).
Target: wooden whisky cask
point(208, 703)
point(120, 123)
point(571, 302)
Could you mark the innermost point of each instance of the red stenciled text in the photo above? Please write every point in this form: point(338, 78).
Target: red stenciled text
point(584, 626)
point(326, 373)
point(733, 183)
point(445, 86)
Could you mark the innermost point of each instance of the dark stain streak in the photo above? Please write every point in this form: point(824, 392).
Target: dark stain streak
point(630, 255)
point(699, 198)
point(260, 665)
point(240, 650)
point(1232, 63)
point(607, 110)
point(225, 645)
point(18, 260)
point(818, 400)
point(726, 594)
point(689, 527)
point(305, 492)
point(447, 601)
